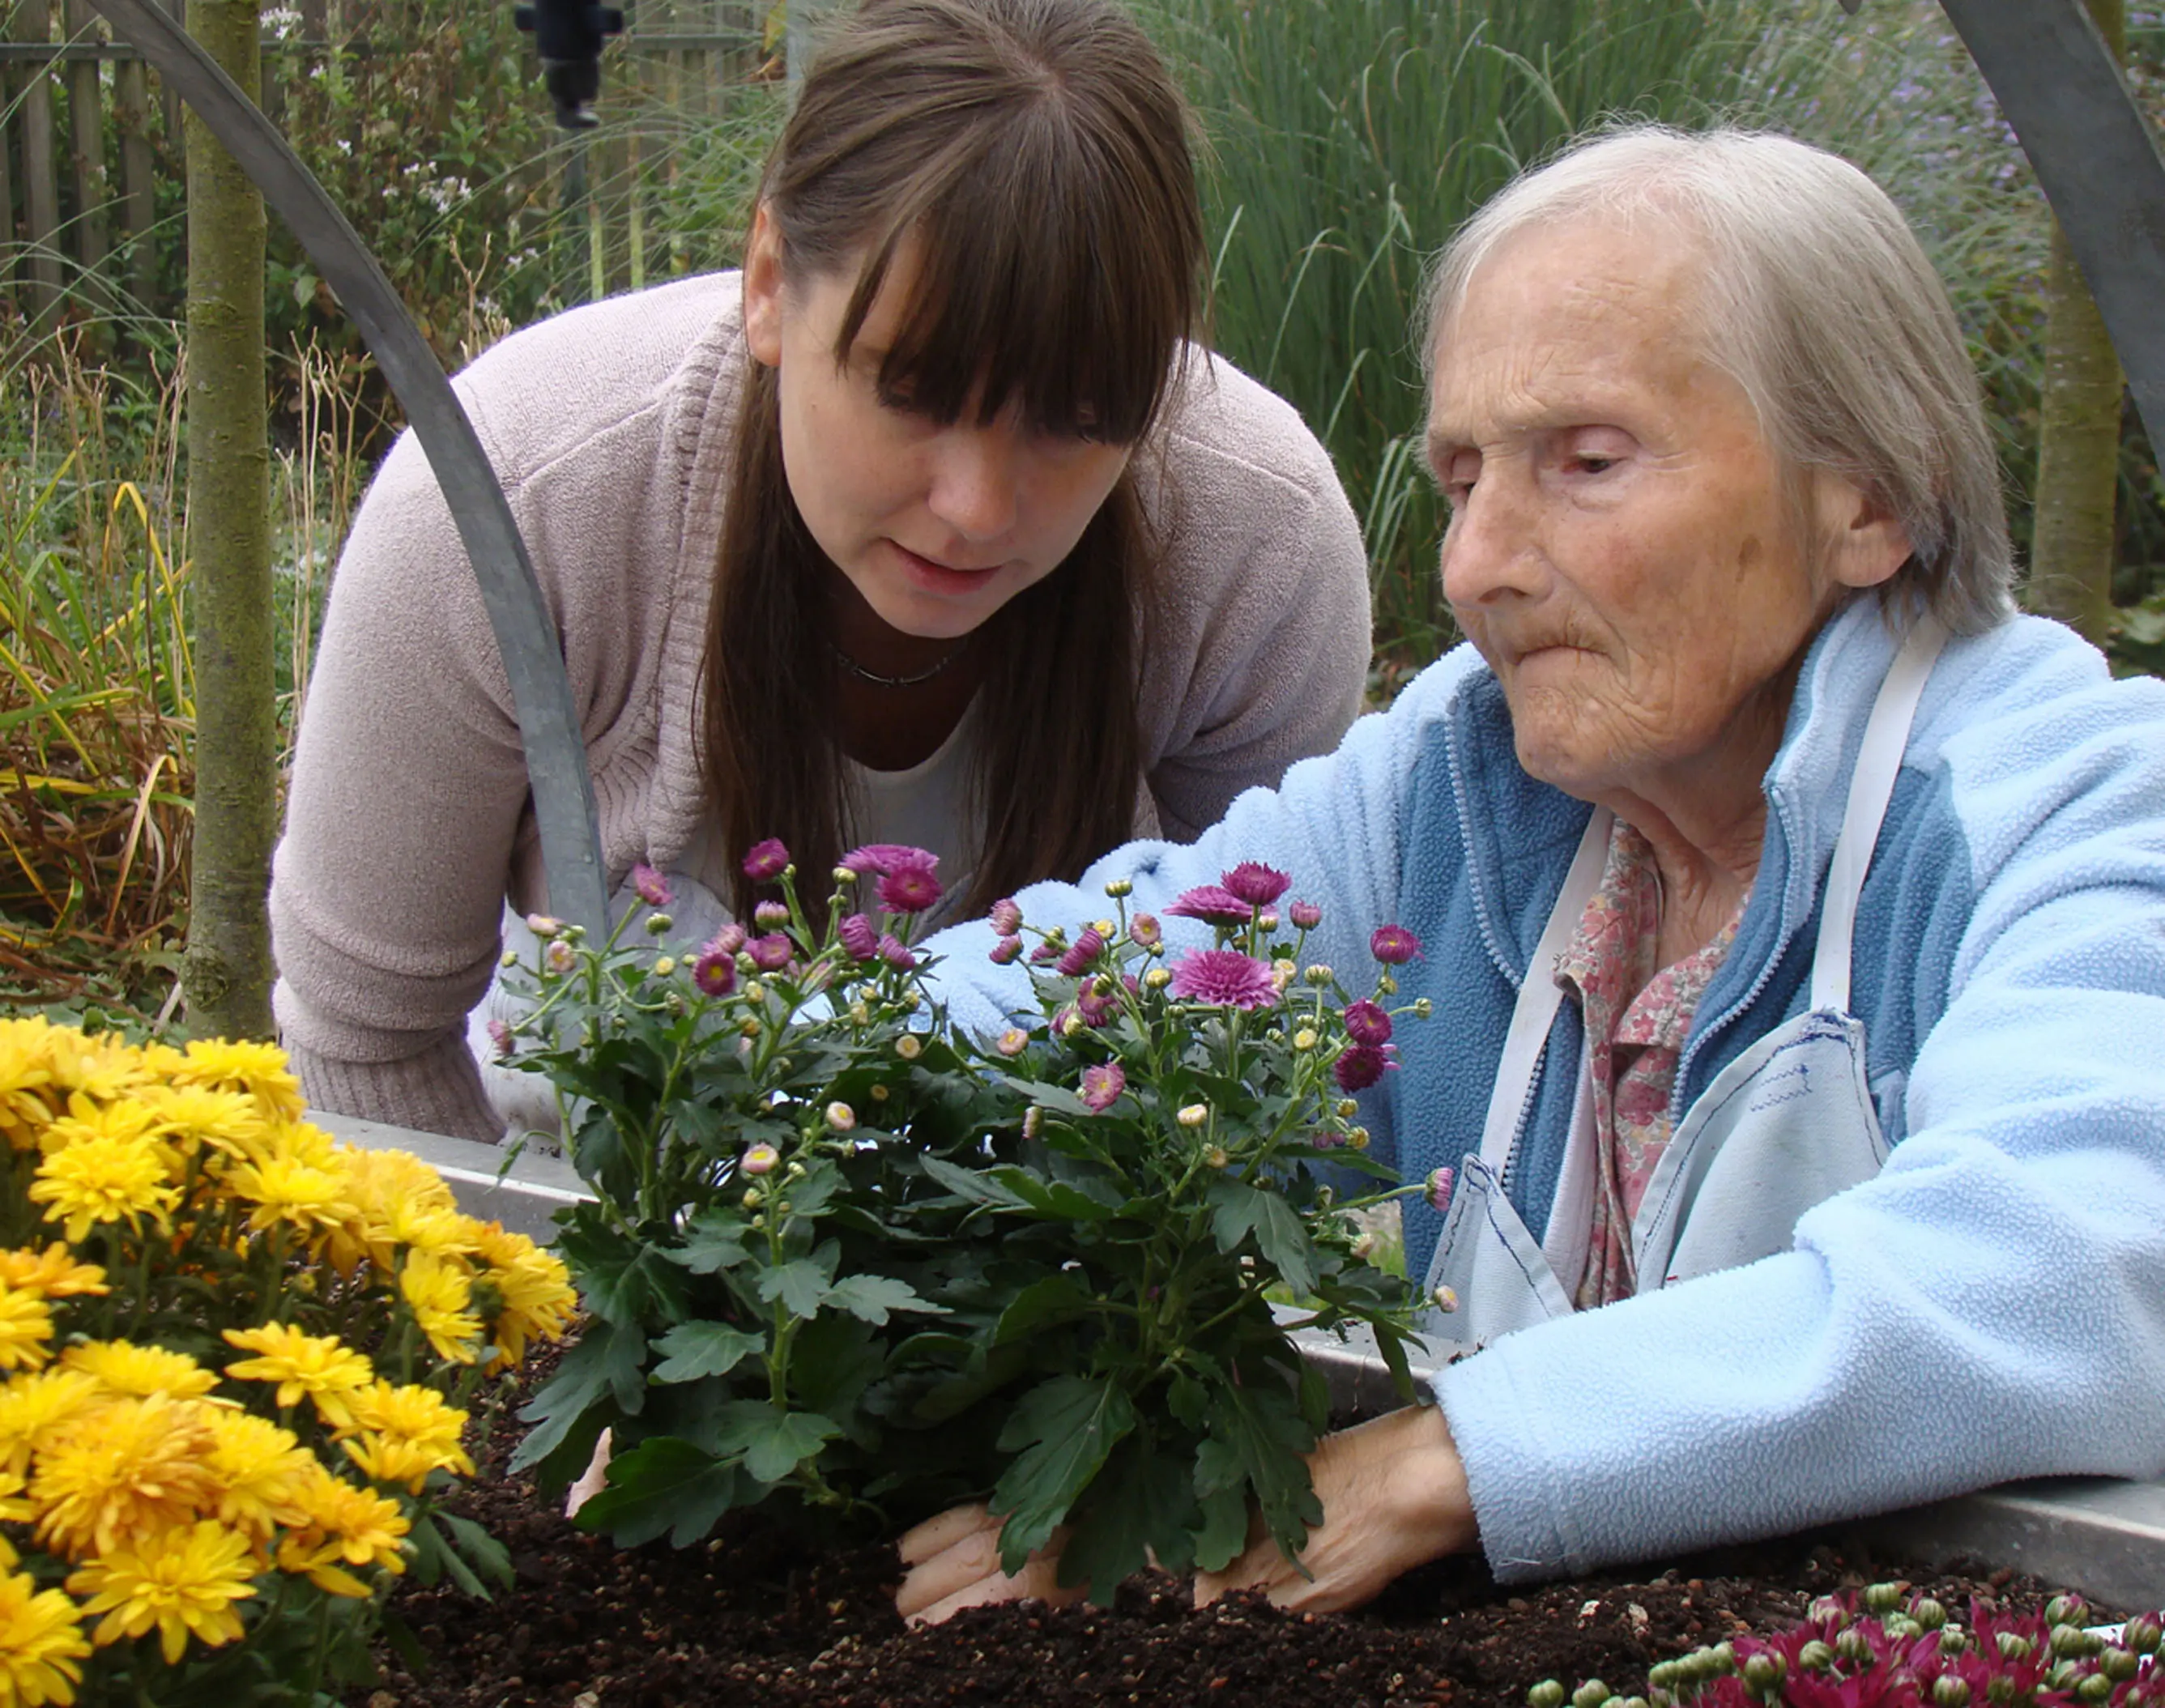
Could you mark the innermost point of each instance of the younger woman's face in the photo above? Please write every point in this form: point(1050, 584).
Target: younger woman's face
point(936, 527)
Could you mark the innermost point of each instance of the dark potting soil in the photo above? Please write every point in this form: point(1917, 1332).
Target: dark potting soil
point(749, 1618)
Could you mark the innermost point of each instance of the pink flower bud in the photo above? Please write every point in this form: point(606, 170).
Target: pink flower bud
point(1305, 916)
point(727, 941)
point(766, 859)
point(543, 927)
point(1101, 1086)
point(500, 1034)
point(1439, 1189)
point(559, 957)
point(1006, 916)
point(1087, 947)
point(1393, 945)
point(858, 936)
point(1145, 931)
point(771, 952)
point(896, 952)
point(769, 915)
point(759, 1159)
point(1007, 950)
point(653, 888)
point(1013, 1041)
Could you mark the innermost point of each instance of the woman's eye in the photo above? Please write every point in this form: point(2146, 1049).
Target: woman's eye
point(1594, 465)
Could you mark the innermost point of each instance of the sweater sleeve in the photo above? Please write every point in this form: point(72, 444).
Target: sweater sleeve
point(1260, 654)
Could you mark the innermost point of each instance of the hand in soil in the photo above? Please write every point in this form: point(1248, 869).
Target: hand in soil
point(954, 1562)
point(1393, 1494)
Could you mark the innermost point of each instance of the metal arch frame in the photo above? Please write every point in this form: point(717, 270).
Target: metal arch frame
point(2054, 77)
point(525, 634)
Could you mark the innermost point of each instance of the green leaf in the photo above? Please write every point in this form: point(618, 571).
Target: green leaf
point(665, 1484)
point(801, 1284)
point(645, 1288)
point(717, 1243)
point(969, 1184)
point(810, 1196)
point(1062, 1100)
point(870, 1298)
point(773, 1443)
point(1042, 1304)
point(606, 1364)
point(1141, 1501)
point(1258, 1437)
point(1222, 1535)
point(489, 1557)
point(691, 1350)
point(1240, 1210)
point(1064, 1429)
point(1080, 1201)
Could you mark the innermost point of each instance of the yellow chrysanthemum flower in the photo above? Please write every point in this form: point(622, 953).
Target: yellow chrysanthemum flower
point(128, 1368)
point(88, 1070)
point(258, 1069)
point(109, 1178)
point(183, 1581)
point(406, 1433)
point(535, 1297)
point(129, 1468)
point(345, 1527)
point(284, 1189)
point(382, 1186)
point(14, 1503)
point(41, 1644)
point(385, 1459)
point(35, 1409)
point(51, 1273)
point(26, 1329)
point(320, 1366)
point(27, 1096)
point(200, 1117)
point(260, 1471)
point(438, 1293)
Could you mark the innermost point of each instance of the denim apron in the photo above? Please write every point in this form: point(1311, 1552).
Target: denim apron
point(1786, 1125)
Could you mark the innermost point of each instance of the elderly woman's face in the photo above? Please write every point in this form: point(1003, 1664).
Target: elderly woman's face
point(1618, 549)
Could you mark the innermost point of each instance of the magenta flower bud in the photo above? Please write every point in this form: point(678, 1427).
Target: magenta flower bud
point(771, 952)
point(1006, 916)
point(858, 936)
point(1367, 1023)
point(728, 940)
point(1049, 950)
point(652, 887)
point(759, 1159)
point(1007, 950)
point(500, 1034)
point(1305, 916)
point(1393, 945)
point(896, 952)
point(1359, 1068)
point(1213, 903)
point(770, 915)
point(1095, 1008)
point(766, 859)
point(879, 857)
point(1086, 948)
point(909, 889)
point(1439, 1189)
point(1258, 885)
point(1103, 1086)
point(1145, 931)
point(714, 972)
point(1223, 978)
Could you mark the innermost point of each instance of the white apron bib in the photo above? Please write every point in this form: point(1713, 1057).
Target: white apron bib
point(1783, 1127)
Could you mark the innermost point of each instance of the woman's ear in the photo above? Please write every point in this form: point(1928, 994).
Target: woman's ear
point(1864, 540)
point(762, 289)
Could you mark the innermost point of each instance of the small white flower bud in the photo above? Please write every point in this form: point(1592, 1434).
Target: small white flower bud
point(663, 968)
point(1194, 1115)
point(1158, 979)
point(1304, 1039)
point(841, 1117)
point(909, 1046)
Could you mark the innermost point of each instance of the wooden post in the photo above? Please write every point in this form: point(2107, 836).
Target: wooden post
point(86, 153)
point(33, 22)
point(169, 102)
point(7, 192)
point(139, 169)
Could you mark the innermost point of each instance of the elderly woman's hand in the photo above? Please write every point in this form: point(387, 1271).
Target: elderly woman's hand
point(1393, 1495)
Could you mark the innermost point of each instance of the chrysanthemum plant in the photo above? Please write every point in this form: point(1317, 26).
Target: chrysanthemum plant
point(843, 1260)
point(1888, 1648)
point(236, 1351)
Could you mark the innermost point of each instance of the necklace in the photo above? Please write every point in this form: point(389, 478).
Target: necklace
point(914, 680)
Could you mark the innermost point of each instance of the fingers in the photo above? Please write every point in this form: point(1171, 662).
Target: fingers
point(937, 1535)
point(591, 1480)
point(970, 1559)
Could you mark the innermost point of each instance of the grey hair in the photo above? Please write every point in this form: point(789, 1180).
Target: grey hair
point(1819, 303)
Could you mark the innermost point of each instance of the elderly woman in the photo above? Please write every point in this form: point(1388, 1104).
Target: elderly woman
point(1794, 912)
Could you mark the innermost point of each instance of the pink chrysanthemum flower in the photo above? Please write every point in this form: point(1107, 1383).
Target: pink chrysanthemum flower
point(652, 887)
point(1360, 1067)
point(1223, 977)
point(500, 1034)
point(1367, 1023)
point(896, 952)
point(1211, 902)
point(1103, 1086)
point(759, 1159)
point(909, 889)
point(771, 952)
point(1393, 945)
point(765, 860)
point(770, 915)
point(728, 940)
point(714, 973)
point(1255, 884)
point(1305, 916)
point(1006, 916)
point(1093, 1010)
point(1086, 948)
point(1145, 931)
point(1007, 950)
point(879, 858)
point(858, 936)
point(1439, 1188)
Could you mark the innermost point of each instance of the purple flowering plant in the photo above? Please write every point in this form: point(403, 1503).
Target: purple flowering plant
point(766, 1267)
point(1182, 1198)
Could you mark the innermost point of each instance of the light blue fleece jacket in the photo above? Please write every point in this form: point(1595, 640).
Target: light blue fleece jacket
point(1993, 1305)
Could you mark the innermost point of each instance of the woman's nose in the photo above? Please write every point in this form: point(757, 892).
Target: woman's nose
point(1490, 551)
point(975, 475)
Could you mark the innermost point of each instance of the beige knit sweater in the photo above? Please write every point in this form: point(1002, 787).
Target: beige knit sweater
point(408, 823)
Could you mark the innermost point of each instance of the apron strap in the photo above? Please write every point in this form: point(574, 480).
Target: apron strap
point(1871, 786)
point(1540, 995)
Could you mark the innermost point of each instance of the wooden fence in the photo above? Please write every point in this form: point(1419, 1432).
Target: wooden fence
point(87, 134)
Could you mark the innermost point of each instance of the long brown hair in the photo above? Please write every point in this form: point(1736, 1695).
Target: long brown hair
point(1036, 153)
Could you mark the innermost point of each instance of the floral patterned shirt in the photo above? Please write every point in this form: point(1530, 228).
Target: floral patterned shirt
point(1637, 1016)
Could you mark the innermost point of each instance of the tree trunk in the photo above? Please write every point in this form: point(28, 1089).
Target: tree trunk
point(2072, 554)
point(226, 975)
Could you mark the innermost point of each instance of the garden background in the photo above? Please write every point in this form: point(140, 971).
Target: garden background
point(1344, 139)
